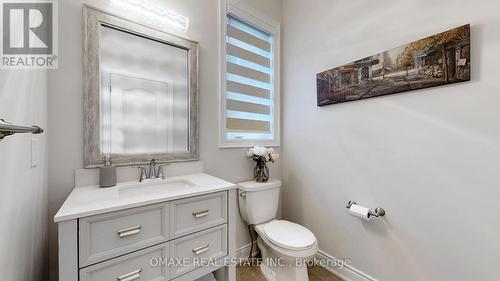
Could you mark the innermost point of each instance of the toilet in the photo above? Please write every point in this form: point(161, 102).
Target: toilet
point(285, 246)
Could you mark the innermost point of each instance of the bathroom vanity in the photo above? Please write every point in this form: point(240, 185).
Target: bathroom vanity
point(154, 230)
point(177, 228)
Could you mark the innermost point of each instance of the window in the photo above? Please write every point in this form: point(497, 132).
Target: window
point(249, 80)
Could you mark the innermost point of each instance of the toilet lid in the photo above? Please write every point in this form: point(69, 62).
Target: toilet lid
point(289, 235)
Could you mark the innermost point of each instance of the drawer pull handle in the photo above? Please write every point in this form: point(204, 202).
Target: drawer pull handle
point(200, 250)
point(200, 214)
point(134, 275)
point(129, 231)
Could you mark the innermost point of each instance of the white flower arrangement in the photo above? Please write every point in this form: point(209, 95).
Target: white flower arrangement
point(261, 153)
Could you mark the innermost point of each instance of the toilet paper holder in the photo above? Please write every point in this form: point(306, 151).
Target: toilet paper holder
point(377, 212)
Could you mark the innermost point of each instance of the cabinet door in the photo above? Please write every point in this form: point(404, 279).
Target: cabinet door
point(144, 265)
point(197, 248)
point(197, 213)
point(107, 236)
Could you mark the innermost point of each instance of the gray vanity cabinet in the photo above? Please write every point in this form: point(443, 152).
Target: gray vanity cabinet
point(146, 243)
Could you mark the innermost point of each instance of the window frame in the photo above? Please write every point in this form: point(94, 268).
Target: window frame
point(260, 21)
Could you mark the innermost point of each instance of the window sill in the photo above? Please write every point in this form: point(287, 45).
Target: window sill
point(248, 143)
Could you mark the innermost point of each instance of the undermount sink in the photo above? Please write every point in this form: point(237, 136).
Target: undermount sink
point(155, 186)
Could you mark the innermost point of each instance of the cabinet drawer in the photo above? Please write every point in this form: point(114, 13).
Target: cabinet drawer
point(136, 266)
point(109, 235)
point(211, 243)
point(197, 213)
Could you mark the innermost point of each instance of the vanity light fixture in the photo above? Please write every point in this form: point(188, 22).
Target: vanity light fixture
point(154, 14)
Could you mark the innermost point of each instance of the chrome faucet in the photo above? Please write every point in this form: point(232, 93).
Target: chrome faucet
point(153, 171)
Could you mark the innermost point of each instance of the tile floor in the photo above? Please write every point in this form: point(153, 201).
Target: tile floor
point(252, 273)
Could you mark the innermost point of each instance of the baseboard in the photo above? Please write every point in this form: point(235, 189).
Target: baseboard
point(244, 251)
point(347, 272)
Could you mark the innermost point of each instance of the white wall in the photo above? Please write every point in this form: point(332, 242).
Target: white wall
point(429, 157)
point(66, 99)
point(23, 189)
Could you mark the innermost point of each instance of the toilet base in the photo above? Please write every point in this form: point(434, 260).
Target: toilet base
point(272, 271)
point(295, 274)
point(267, 272)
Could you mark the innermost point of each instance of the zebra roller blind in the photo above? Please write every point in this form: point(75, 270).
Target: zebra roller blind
point(249, 82)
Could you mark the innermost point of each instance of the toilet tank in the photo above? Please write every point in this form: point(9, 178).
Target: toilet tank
point(258, 201)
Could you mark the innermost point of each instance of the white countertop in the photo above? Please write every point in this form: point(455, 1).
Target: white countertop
point(92, 200)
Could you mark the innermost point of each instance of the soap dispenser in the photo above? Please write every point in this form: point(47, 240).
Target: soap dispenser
point(107, 174)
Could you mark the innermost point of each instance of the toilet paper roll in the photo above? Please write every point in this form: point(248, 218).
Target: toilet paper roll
point(359, 212)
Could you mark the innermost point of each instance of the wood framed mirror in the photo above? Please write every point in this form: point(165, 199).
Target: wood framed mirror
point(141, 92)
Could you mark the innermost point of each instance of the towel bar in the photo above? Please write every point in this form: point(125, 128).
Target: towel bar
point(7, 129)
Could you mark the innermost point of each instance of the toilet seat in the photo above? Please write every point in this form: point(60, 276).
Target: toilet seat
point(289, 235)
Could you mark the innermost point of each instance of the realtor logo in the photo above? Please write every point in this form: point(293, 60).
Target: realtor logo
point(29, 33)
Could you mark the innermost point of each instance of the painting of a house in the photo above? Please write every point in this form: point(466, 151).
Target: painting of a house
point(440, 59)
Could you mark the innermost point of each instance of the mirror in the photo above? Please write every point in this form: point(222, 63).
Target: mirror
point(140, 93)
point(142, 109)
